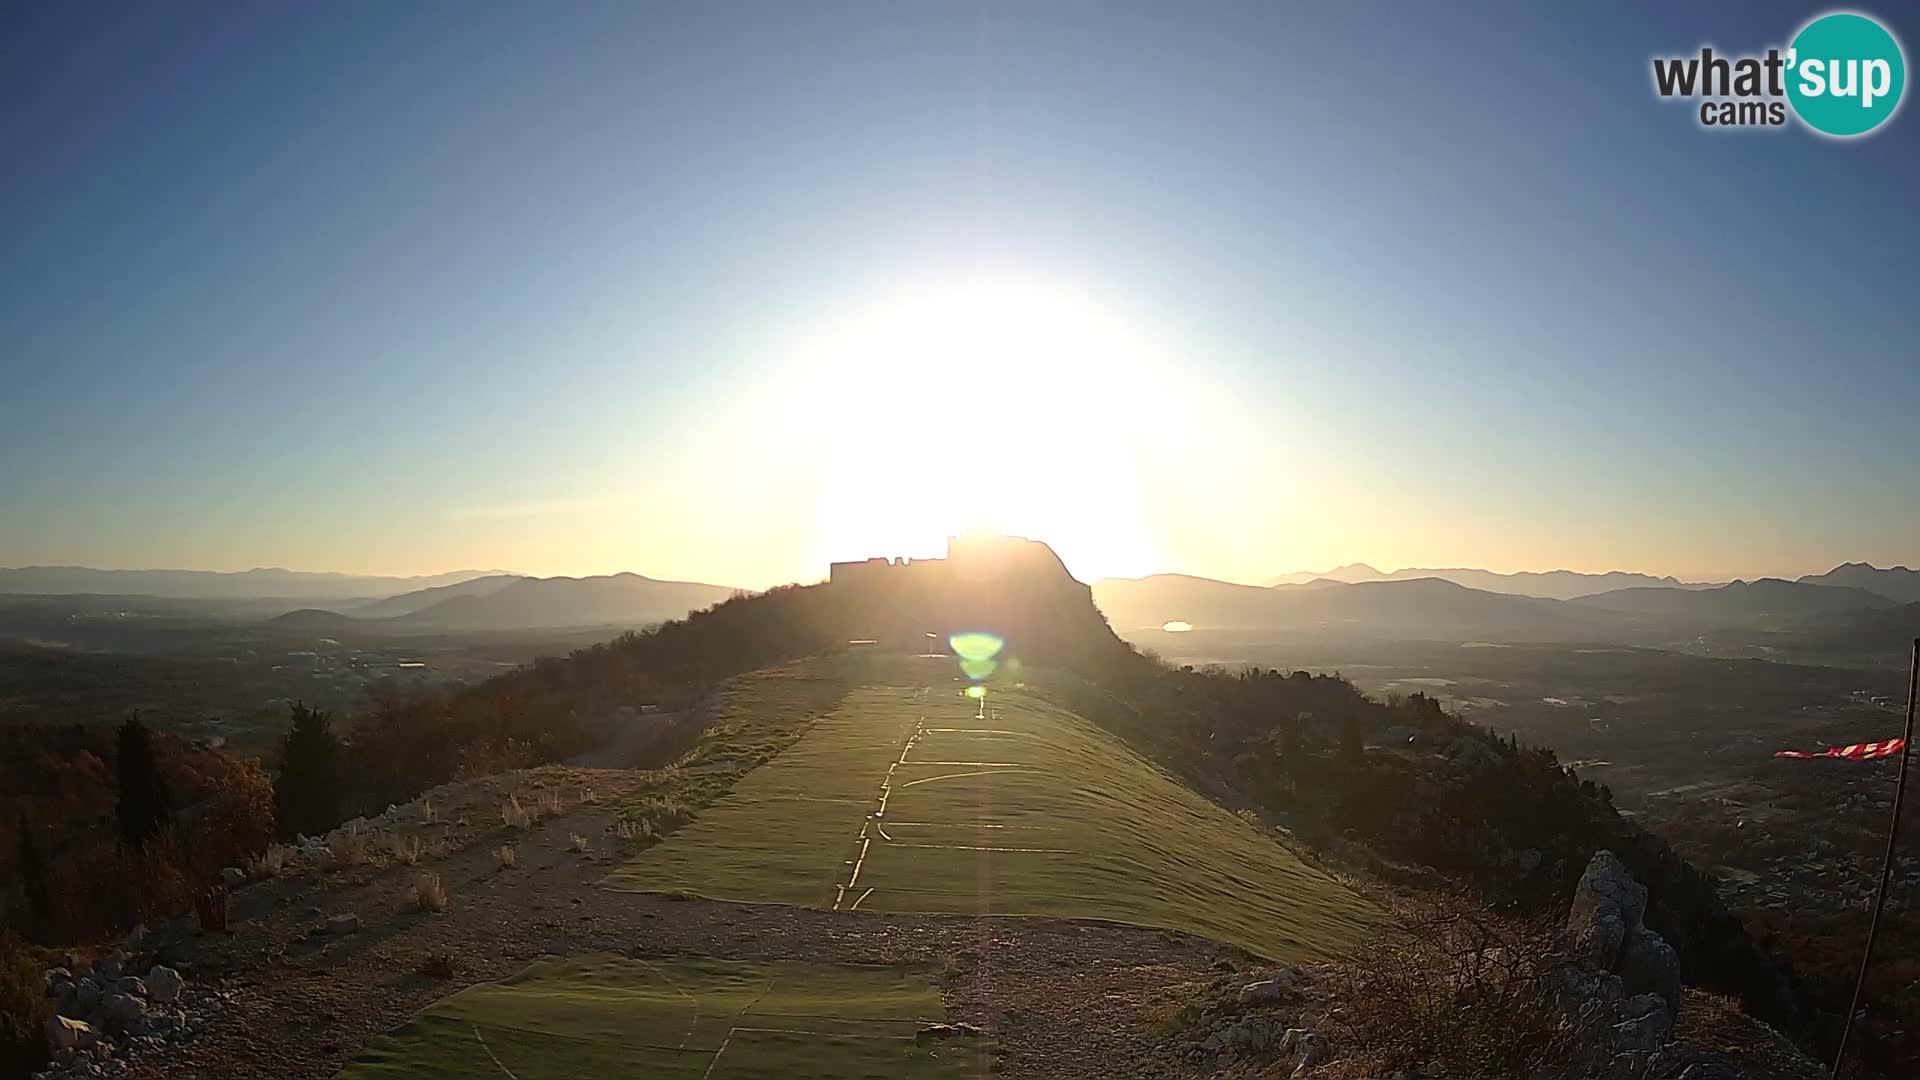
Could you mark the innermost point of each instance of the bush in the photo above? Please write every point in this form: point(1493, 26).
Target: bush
point(237, 825)
point(405, 849)
point(1459, 993)
point(350, 847)
point(506, 855)
point(23, 1007)
point(442, 963)
point(429, 894)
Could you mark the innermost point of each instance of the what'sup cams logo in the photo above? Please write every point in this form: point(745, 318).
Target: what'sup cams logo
point(1842, 75)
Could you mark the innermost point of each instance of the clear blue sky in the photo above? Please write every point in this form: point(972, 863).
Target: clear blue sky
point(400, 287)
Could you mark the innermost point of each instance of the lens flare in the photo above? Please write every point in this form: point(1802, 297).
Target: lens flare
point(976, 691)
point(976, 645)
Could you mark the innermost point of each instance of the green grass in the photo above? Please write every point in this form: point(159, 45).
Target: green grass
point(1032, 811)
point(605, 1015)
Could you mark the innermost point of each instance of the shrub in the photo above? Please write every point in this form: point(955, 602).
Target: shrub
point(514, 814)
point(350, 847)
point(1459, 993)
point(441, 963)
point(427, 813)
point(269, 863)
point(506, 855)
point(578, 842)
point(405, 849)
point(23, 1007)
point(429, 894)
point(237, 824)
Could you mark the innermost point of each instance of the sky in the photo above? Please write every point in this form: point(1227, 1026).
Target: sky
point(721, 292)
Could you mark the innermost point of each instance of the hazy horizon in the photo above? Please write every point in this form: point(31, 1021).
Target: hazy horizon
point(821, 575)
point(722, 295)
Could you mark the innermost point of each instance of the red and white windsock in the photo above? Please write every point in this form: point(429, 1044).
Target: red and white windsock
point(1860, 751)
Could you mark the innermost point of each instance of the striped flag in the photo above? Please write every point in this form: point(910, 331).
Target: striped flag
point(1861, 751)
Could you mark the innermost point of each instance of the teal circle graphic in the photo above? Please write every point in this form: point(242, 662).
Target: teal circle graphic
point(1846, 74)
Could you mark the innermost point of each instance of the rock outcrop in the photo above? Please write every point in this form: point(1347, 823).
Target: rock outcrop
point(1608, 922)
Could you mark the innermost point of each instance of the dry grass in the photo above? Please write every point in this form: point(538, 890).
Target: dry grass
point(506, 855)
point(1459, 993)
point(427, 813)
point(579, 843)
point(429, 894)
point(551, 803)
point(350, 847)
point(588, 798)
point(514, 814)
point(441, 963)
point(269, 863)
point(405, 849)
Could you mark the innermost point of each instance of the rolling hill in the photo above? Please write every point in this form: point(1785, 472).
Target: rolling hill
point(1769, 599)
point(617, 599)
point(209, 584)
point(409, 602)
point(1548, 585)
point(504, 602)
point(1420, 609)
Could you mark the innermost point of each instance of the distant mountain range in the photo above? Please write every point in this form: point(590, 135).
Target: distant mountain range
point(209, 584)
point(508, 602)
point(1897, 583)
point(1421, 609)
point(1551, 585)
point(1437, 609)
point(1741, 600)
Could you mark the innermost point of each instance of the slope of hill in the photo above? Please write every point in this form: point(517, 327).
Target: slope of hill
point(1895, 583)
point(1424, 608)
point(409, 602)
point(1547, 585)
point(259, 582)
point(906, 800)
point(613, 600)
point(1743, 601)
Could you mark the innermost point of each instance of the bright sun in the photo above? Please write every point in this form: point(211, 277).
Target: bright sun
point(997, 404)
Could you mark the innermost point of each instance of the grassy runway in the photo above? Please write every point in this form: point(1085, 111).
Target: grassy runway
point(605, 1015)
point(904, 800)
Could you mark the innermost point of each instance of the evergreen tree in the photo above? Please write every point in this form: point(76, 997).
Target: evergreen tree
point(145, 808)
point(306, 796)
point(33, 873)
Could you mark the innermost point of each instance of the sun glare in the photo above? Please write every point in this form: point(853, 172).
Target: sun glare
point(1003, 405)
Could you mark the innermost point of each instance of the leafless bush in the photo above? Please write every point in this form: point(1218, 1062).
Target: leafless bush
point(551, 804)
point(579, 843)
point(506, 855)
point(269, 863)
point(350, 848)
point(514, 814)
point(405, 849)
point(442, 963)
point(429, 894)
point(1460, 993)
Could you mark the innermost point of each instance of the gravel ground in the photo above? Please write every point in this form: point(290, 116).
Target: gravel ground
point(1059, 998)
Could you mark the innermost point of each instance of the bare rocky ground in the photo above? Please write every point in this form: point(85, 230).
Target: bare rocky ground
point(303, 996)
